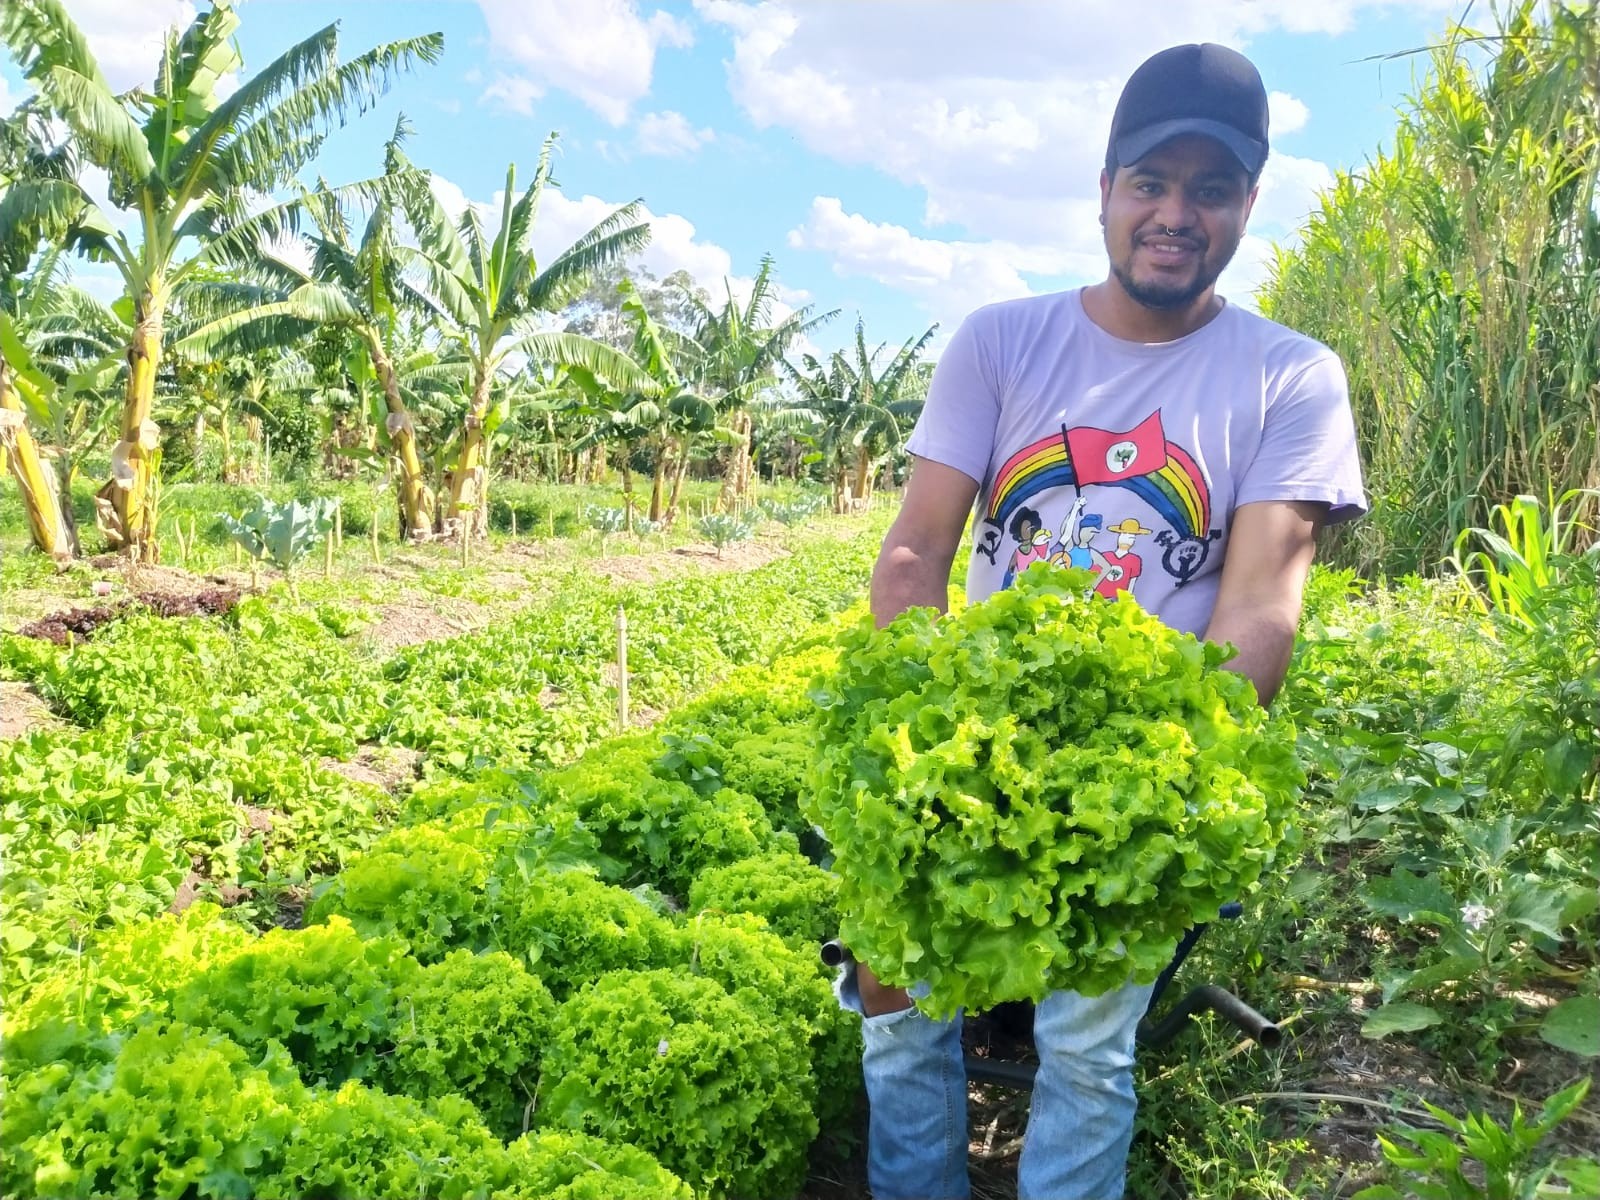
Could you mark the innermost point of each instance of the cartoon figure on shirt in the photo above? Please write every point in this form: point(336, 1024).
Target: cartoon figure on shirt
point(1123, 557)
point(1075, 547)
point(1033, 543)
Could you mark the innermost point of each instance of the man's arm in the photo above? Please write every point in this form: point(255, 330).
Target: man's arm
point(1270, 548)
point(913, 568)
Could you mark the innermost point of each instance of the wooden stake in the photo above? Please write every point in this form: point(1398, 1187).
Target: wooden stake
point(327, 557)
point(622, 670)
point(513, 521)
point(338, 523)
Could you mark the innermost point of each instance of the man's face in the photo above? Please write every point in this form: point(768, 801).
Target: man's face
point(1191, 185)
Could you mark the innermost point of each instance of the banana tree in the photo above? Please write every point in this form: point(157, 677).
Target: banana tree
point(58, 356)
point(183, 160)
point(859, 411)
point(739, 353)
point(354, 283)
point(492, 294)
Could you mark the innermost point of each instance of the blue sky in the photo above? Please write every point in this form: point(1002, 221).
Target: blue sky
point(902, 160)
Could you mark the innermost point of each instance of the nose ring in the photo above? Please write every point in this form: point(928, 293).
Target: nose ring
point(1171, 232)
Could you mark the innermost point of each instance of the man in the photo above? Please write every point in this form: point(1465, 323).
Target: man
point(1228, 436)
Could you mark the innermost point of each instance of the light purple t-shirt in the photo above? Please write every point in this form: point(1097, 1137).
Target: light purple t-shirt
point(1128, 458)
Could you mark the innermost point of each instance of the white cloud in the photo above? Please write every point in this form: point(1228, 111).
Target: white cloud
point(1288, 115)
point(126, 37)
point(601, 51)
point(9, 102)
point(1000, 122)
point(1289, 188)
point(1247, 271)
point(514, 93)
point(949, 278)
point(675, 244)
point(670, 135)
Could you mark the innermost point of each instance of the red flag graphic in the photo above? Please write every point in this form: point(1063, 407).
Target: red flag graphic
point(1102, 457)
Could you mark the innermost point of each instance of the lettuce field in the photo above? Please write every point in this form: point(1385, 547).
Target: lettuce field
point(544, 958)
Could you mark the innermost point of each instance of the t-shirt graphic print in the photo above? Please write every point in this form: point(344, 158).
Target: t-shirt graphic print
point(1129, 459)
point(1157, 476)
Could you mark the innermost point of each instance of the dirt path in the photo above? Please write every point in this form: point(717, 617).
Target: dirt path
point(415, 595)
point(22, 711)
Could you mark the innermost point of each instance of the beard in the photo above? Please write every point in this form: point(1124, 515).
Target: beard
point(1164, 296)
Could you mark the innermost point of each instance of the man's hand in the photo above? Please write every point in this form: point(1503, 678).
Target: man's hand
point(913, 568)
point(1270, 548)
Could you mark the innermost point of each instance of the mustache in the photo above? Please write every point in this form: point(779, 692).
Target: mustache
point(1160, 234)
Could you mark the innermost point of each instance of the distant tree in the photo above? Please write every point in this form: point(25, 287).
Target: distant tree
point(186, 162)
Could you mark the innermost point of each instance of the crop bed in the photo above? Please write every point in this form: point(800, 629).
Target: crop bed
point(562, 964)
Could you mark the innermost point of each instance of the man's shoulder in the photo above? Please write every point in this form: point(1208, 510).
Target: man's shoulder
point(1280, 346)
point(1026, 311)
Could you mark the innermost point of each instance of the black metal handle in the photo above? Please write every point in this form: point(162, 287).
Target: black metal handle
point(1221, 1001)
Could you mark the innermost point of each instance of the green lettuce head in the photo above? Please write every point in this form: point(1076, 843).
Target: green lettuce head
point(1040, 792)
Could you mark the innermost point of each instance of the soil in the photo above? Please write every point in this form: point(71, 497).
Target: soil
point(412, 622)
point(386, 767)
point(22, 711)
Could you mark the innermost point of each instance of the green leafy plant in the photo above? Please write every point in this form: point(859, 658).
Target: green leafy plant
point(674, 1065)
point(282, 534)
point(798, 899)
point(358, 1141)
point(570, 928)
point(323, 993)
point(1488, 927)
point(1524, 558)
point(178, 1111)
point(1044, 790)
point(472, 1024)
point(1433, 1165)
point(557, 1164)
point(723, 530)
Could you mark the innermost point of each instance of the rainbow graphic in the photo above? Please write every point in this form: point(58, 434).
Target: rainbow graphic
point(1176, 490)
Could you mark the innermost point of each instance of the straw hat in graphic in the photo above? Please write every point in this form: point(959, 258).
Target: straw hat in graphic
point(1126, 525)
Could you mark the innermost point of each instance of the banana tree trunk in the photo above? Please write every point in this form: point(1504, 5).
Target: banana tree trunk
point(415, 497)
point(678, 472)
point(469, 482)
point(658, 480)
point(735, 479)
point(49, 521)
point(627, 491)
point(863, 472)
point(122, 506)
point(253, 470)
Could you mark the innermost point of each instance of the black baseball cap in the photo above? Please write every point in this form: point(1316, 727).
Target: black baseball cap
point(1199, 88)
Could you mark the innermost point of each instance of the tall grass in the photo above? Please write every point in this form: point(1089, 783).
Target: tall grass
point(1458, 276)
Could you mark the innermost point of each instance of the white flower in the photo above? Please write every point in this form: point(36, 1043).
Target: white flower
point(1473, 916)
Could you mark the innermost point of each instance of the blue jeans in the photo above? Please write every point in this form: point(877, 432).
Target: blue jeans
point(1079, 1124)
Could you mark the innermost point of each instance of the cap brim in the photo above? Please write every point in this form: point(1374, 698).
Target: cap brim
point(1250, 153)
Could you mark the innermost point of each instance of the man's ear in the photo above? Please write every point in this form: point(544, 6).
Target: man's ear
point(1105, 193)
point(1250, 203)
